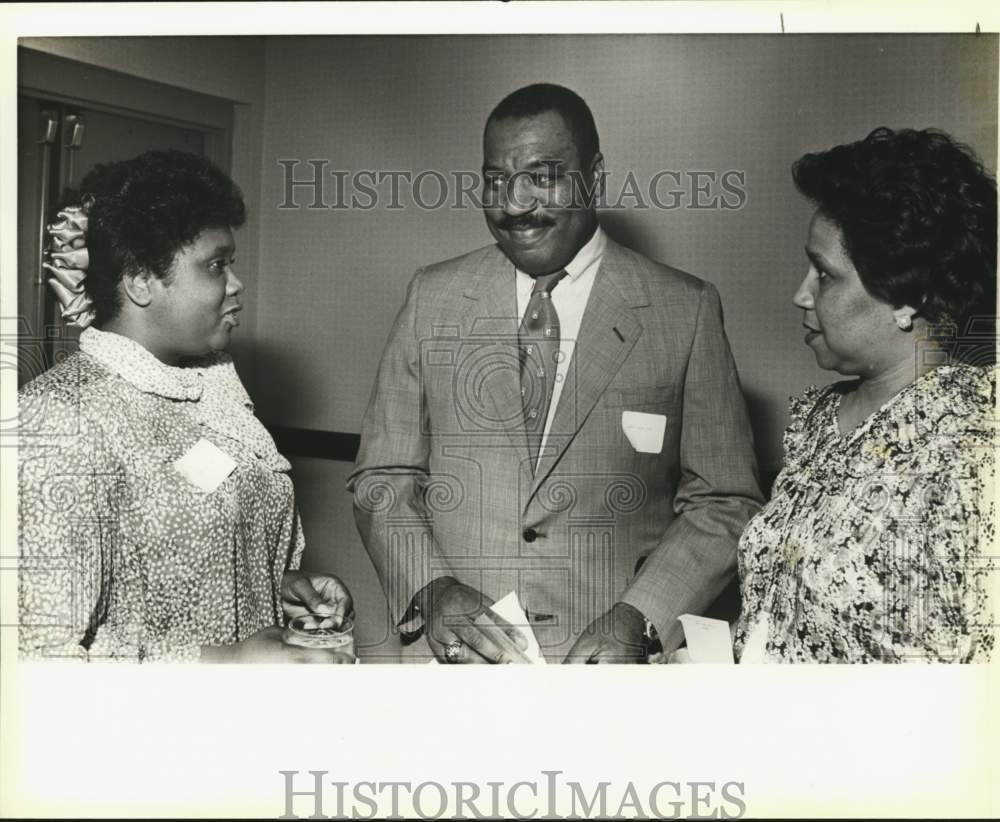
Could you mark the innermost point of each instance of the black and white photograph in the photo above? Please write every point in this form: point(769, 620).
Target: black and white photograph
point(568, 334)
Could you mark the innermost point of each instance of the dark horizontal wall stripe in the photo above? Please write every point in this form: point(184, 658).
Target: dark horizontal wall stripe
point(338, 445)
point(325, 445)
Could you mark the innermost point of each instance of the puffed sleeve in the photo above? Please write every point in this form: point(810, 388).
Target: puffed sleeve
point(71, 489)
point(949, 562)
point(949, 571)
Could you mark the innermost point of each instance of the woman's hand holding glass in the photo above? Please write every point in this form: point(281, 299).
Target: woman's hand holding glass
point(303, 595)
point(319, 611)
point(307, 593)
point(268, 646)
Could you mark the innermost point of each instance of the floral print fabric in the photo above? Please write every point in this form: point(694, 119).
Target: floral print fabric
point(121, 557)
point(876, 545)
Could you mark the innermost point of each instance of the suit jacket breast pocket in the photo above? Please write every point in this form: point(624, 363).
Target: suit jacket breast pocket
point(605, 425)
point(640, 398)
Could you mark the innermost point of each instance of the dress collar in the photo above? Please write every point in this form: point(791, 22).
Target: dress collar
point(211, 384)
point(137, 366)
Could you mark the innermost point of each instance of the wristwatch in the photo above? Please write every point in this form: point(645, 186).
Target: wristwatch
point(651, 638)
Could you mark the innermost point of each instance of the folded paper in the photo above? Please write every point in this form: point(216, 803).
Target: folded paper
point(509, 608)
point(708, 640)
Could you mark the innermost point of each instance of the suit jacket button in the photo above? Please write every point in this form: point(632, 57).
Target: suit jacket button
point(529, 534)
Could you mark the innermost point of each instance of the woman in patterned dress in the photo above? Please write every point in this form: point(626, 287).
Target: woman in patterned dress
point(157, 518)
point(876, 543)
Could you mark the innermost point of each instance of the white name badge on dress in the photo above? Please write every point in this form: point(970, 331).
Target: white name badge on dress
point(205, 465)
point(644, 431)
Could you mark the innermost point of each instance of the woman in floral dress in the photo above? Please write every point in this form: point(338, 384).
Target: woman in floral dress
point(876, 544)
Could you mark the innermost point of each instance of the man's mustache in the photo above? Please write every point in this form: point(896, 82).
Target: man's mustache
point(522, 223)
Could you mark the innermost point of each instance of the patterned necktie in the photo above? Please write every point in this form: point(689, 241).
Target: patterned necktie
point(539, 344)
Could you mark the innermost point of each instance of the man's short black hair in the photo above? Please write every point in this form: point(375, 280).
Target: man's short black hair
point(539, 98)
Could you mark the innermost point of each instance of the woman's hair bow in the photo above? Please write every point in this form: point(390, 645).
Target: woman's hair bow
point(67, 262)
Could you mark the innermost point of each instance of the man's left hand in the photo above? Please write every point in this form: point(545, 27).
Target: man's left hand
point(616, 637)
point(303, 592)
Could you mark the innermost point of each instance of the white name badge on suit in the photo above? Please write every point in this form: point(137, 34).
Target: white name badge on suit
point(644, 431)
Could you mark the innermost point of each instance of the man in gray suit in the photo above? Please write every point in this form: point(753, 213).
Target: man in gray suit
point(554, 415)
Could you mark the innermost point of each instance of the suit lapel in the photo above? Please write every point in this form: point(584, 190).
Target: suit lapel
point(608, 332)
point(492, 318)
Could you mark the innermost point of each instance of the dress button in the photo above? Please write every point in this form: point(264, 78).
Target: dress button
point(529, 534)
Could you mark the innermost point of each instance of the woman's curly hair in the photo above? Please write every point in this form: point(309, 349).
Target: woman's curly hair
point(143, 211)
point(919, 217)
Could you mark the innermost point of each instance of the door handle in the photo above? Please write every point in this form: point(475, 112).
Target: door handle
point(74, 129)
point(48, 129)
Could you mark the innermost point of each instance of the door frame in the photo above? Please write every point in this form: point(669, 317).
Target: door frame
point(74, 84)
point(80, 84)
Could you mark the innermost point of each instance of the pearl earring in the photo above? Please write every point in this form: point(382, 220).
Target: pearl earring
point(904, 323)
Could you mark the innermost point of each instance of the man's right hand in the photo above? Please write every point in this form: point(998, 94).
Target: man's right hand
point(267, 646)
point(450, 608)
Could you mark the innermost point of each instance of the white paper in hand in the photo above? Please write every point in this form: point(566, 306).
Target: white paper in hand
point(644, 431)
point(509, 607)
point(205, 465)
point(708, 640)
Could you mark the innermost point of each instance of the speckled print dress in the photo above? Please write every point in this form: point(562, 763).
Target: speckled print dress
point(121, 557)
point(876, 545)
